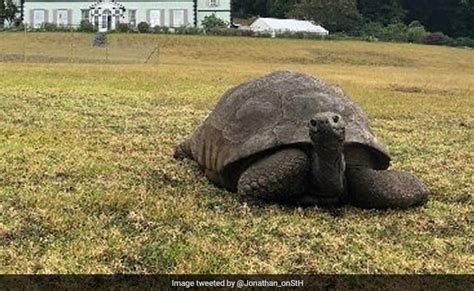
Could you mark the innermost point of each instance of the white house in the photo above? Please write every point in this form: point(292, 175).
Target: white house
point(275, 25)
point(106, 14)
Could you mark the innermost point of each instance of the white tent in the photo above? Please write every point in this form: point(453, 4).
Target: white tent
point(274, 25)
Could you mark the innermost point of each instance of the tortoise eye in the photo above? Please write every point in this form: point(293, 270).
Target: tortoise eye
point(313, 123)
point(335, 118)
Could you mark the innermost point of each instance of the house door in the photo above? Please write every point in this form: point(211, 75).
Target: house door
point(178, 18)
point(62, 19)
point(38, 18)
point(106, 21)
point(109, 21)
point(155, 18)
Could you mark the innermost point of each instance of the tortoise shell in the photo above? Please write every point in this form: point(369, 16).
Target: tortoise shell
point(273, 111)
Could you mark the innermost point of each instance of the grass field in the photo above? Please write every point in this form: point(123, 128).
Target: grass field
point(88, 183)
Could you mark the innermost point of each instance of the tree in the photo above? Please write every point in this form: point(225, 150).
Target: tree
point(8, 11)
point(2, 13)
point(335, 15)
point(382, 11)
point(245, 8)
point(22, 11)
point(212, 21)
point(265, 8)
point(452, 17)
point(280, 8)
point(416, 32)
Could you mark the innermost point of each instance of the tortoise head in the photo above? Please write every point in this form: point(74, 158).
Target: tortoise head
point(327, 129)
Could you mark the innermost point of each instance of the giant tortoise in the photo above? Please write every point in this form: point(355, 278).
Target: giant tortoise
point(292, 138)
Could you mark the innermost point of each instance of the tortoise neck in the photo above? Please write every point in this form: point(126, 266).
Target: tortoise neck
point(329, 151)
point(328, 168)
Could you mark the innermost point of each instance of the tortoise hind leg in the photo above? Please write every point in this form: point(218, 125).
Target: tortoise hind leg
point(278, 177)
point(385, 189)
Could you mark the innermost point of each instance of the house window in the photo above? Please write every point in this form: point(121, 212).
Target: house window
point(178, 18)
point(213, 3)
point(155, 18)
point(84, 14)
point(104, 20)
point(132, 17)
point(38, 18)
point(62, 17)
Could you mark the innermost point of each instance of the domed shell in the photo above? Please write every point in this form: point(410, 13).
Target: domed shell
point(274, 111)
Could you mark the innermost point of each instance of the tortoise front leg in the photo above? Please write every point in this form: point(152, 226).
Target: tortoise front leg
point(384, 189)
point(279, 177)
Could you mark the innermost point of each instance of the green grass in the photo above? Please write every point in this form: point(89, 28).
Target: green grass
point(88, 183)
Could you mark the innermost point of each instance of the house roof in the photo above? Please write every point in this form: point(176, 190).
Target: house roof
point(275, 24)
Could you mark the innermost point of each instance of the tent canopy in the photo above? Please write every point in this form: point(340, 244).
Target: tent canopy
point(282, 25)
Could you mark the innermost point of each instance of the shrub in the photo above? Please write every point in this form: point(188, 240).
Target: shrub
point(415, 32)
point(285, 34)
point(122, 27)
point(436, 38)
point(263, 34)
point(370, 38)
point(227, 32)
point(86, 26)
point(299, 35)
point(395, 32)
point(53, 27)
point(464, 41)
point(373, 29)
point(212, 22)
point(161, 29)
point(21, 27)
point(14, 28)
point(143, 27)
point(339, 36)
point(392, 32)
point(189, 30)
point(49, 27)
point(247, 32)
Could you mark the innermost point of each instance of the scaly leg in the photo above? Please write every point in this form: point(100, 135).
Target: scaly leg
point(280, 177)
point(384, 189)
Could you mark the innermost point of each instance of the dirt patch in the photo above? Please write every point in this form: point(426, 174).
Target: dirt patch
point(406, 89)
point(419, 90)
point(318, 56)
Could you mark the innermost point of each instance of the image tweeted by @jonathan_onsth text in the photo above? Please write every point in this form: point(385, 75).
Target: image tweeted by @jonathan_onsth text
point(237, 283)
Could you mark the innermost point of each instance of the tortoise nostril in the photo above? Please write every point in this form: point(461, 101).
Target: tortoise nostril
point(335, 118)
point(313, 122)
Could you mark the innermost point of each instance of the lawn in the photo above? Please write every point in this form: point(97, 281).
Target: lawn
point(88, 183)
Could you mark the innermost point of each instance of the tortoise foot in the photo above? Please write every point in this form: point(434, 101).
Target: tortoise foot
point(385, 189)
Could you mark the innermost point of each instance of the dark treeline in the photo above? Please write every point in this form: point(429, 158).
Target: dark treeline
point(452, 17)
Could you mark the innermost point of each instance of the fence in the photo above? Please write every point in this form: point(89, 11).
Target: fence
point(76, 47)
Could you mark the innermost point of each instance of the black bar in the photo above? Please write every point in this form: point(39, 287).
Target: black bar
point(236, 282)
